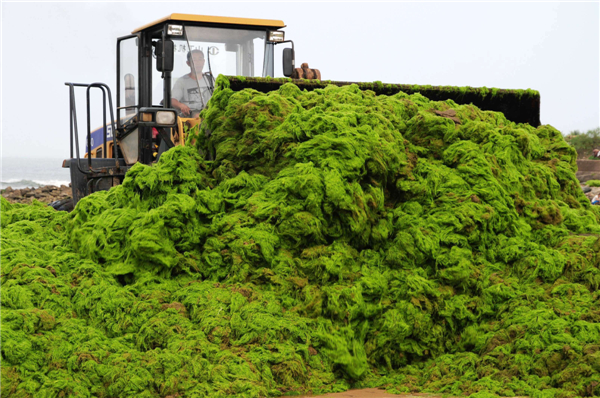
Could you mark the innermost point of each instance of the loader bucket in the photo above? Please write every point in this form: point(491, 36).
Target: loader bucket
point(519, 106)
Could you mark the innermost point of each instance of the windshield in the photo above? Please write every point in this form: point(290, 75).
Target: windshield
point(214, 51)
point(234, 52)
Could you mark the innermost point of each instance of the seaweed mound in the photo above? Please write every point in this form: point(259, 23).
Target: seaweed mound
point(312, 242)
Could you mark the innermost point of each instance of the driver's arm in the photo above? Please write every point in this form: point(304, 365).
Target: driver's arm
point(183, 108)
point(176, 96)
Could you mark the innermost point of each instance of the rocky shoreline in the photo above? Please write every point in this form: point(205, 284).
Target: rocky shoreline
point(44, 194)
point(51, 193)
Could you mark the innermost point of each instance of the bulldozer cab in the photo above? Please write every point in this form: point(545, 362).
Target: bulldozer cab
point(171, 63)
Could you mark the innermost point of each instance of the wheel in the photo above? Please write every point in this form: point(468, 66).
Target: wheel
point(63, 204)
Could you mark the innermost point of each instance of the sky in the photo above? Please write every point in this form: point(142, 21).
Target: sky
point(552, 47)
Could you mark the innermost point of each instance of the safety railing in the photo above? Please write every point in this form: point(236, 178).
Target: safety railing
point(106, 95)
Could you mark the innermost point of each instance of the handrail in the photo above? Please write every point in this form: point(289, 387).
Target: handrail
point(73, 122)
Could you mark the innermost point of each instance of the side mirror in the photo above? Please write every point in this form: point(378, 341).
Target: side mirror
point(164, 64)
point(288, 62)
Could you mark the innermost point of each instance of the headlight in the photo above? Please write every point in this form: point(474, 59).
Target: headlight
point(276, 36)
point(157, 117)
point(175, 30)
point(165, 117)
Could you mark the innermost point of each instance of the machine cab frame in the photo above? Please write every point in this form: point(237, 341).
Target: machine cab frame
point(155, 56)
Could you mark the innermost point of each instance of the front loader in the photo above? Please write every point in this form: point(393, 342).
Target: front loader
point(145, 122)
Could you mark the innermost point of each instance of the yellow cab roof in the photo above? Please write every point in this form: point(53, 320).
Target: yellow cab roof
point(267, 23)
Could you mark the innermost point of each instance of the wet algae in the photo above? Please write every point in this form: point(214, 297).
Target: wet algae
point(313, 242)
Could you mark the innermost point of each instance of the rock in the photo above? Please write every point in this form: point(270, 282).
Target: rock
point(46, 194)
point(12, 195)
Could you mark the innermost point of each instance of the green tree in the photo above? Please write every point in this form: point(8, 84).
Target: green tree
point(585, 143)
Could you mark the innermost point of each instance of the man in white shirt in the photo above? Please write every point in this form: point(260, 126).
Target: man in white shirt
point(191, 92)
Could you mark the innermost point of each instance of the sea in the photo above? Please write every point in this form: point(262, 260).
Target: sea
point(19, 173)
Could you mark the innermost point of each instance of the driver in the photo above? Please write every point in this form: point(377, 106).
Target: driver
point(192, 91)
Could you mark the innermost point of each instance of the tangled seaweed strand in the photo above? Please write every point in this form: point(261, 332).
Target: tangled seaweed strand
point(335, 239)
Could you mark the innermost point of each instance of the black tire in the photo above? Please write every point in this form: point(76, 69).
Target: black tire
point(63, 204)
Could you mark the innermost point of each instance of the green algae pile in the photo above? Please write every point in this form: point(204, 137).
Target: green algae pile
point(315, 242)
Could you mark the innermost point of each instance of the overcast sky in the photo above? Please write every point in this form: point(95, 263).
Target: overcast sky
point(549, 47)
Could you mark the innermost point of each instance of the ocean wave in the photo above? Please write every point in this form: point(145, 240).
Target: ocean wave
point(24, 183)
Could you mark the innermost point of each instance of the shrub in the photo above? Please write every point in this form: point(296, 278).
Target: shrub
point(584, 143)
